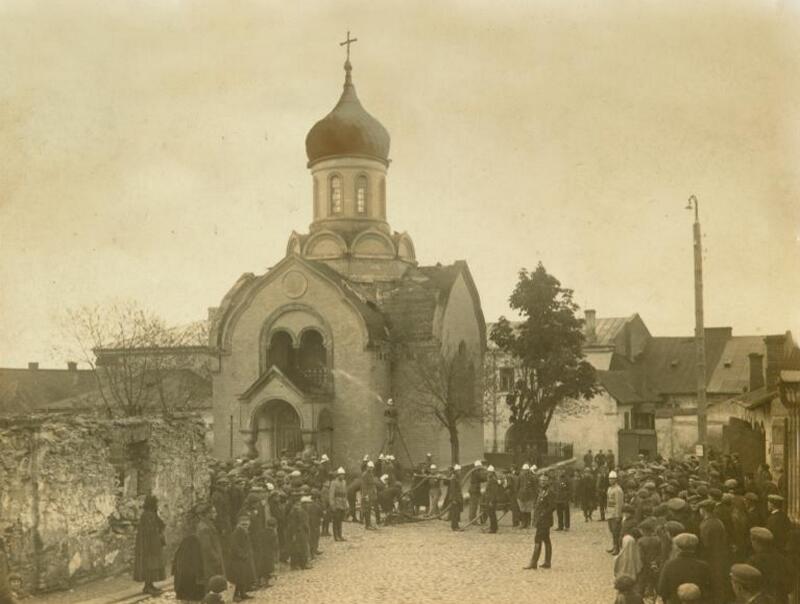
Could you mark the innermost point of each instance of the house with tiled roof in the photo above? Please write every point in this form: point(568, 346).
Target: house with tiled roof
point(649, 385)
point(306, 355)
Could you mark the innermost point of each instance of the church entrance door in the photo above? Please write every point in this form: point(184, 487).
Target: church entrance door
point(278, 428)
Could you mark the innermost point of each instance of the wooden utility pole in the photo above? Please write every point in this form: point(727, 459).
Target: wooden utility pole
point(699, 329)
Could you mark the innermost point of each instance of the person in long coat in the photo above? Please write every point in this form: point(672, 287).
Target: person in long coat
point(543, 521)
point(257, 532)
point(148, 559)
point(454, 501)
point(187, 568)
point(587, 491)
point(241, 571)
point(297, 533)
point(715, 551)
point(210, 543)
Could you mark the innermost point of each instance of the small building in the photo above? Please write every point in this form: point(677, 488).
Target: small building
point(648, 403)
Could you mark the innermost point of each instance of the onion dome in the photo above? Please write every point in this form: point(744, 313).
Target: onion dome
point(348, 130)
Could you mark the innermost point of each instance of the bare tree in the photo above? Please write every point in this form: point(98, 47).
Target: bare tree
point(140, 364)
point(443, 389)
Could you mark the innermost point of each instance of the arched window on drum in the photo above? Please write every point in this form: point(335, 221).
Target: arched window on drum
point(361, 194)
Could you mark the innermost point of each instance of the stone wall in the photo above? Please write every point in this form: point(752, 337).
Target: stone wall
point(71, 490)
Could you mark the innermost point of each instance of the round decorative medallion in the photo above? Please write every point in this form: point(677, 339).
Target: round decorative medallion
point(294, 284)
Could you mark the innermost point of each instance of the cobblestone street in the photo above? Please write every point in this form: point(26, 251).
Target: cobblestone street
point(426, 562)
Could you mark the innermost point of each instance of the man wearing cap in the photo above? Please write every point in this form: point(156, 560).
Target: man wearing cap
point(714, 540)
point(615, 499)
point(491, 498)
point(455, 498)
point(337, 501)
point(684, 568)
point(475, 480)
point(369, 494)
point(747, 583)
point(772, 564)
point(390, 416)
point(778, 522)
point(542, 520)
point(298, 533)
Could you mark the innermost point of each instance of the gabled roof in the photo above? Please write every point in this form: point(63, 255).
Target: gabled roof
point(626, 387)
point(274, 373)
point(27, 390)
point(412, 303)
point(732, 373)
point(607, 329)
point(669, 364)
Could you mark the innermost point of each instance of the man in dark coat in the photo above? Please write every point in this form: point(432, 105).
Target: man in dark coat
point(475, 479)
point(241, 571)
point(778, 522)
point(491, 498)
point(455, 498)
point(748, 585)
point(715, 551)
point(772, 564)
point(187, 568)
point(314, 511)
point(542, 521)
point(209, 543)
point(562, 495)
point(148, 560)
point(587, 493)
point(352, 490)
point(684, 568)
point(369, 494)
point(257, 531)
point(297, 532)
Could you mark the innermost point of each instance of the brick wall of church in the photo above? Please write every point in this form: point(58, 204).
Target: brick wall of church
point(359, 375)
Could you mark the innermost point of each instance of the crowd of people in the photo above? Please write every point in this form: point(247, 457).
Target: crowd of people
point(690, 531)
point(682, 531)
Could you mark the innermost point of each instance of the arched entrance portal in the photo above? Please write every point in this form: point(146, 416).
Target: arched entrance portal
point(277, 429)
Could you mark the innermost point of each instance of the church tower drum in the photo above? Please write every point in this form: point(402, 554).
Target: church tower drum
point(348, 156)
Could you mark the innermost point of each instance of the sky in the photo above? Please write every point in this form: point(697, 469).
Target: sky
point(154, 150)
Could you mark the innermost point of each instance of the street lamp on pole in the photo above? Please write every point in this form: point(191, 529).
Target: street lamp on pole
point(699, 327)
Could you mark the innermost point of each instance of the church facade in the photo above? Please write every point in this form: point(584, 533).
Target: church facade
point(309, 353)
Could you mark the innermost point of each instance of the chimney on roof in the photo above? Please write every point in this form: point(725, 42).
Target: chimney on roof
point(72, 366)
point(775, 353)
point(33, 366)
point(591, 324)
point(756, 370)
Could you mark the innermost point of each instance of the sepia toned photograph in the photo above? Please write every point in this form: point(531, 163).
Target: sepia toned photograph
point(400, 302)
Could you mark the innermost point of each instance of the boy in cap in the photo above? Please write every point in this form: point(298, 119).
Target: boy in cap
point(747, 582)
point(773, 565)
point(216, 590)
point(689, 592)
point(626, 591)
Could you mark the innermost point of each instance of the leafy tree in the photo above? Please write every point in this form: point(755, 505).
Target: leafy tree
point(547, 344)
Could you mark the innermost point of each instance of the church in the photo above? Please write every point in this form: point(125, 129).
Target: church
point(309, 354)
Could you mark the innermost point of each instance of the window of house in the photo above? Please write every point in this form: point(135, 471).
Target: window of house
point(627, 420)
point(336, 194)
point(361, 195)
point(506, 379)
point(644, 421)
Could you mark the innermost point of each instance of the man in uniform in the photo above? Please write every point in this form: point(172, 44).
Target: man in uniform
point(615, 499)
point(475, 480)
point(390, 416)
point(455, 498)
point(562, 495)
point(542, 521)
point(491, 498)
point(369, 493)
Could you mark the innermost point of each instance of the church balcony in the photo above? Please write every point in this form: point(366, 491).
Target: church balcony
point(315, 380)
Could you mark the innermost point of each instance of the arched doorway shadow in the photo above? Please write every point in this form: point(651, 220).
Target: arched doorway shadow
point(276, 428)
